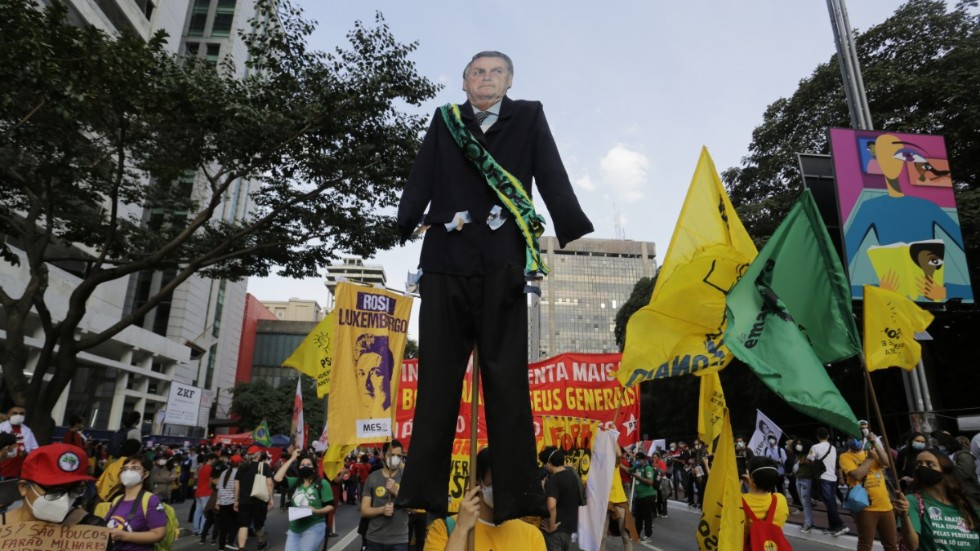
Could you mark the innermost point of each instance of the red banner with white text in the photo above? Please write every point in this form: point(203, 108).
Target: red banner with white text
point(569, 385)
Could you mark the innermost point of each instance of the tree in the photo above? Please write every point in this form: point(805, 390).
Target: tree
point(921, 70)
point(258, 400)
point(116, 157)
point(411, 349)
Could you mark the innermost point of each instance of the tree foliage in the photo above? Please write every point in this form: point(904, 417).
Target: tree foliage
point(252, 402)
point(921, 70)
point(118, 157)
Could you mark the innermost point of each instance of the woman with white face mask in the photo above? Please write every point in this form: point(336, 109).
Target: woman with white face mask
point(136, 523)
point(53, 477)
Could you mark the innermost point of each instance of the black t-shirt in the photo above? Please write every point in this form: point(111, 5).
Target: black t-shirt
point(246, 478)
point(563, 486)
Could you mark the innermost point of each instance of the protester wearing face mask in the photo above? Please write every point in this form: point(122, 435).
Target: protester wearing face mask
point(937, 515)
point(742, 456)
point(476, 513)
point(252, 511)
point(136, 525)
point(53, 477)
point(310, 495)
point(26, 443)
point(387, 526)
point(905, 463)
point(867, 468)
point(804, 482)
point(163, 477)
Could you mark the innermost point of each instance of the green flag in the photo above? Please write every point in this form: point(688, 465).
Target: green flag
point(790, 313)
point(261, 435)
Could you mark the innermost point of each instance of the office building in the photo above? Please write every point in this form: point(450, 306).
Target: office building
point(355, 271)
point(295, 309)
point(590, 280)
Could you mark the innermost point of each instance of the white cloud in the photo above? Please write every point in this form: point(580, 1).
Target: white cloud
point(585, 182)
point(624, 172)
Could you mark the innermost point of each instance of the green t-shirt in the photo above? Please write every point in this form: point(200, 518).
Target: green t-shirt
point(309, 496)
point(643, 489)
point(944, 522)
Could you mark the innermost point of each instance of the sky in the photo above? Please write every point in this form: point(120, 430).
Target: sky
point(632, 90)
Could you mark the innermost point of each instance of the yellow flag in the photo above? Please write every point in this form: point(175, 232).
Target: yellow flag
point(722, 522)
point(711, 410)
point(333, 459)
point(314, 356)
point(368, 344)
point(680, 331)
point(890, 324)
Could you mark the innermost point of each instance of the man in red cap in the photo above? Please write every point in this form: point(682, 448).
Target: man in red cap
point(53, 477)
point(253, 510)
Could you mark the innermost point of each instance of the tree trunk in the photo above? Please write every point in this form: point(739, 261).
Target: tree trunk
point(14, 354)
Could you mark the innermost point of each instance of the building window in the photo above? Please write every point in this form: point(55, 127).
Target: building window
point(211, 56)
point(223, 17)
point(199, 18)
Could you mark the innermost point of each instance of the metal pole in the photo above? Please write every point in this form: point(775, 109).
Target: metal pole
point(835, 25)
point(862, 97)
point(926, 397)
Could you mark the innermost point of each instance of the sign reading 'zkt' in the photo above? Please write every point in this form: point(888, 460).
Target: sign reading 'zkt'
point(183, 405)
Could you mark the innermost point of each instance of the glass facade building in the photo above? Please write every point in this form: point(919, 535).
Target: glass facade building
point(590, 280)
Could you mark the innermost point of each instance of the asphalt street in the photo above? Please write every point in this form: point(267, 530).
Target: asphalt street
point(674, 533)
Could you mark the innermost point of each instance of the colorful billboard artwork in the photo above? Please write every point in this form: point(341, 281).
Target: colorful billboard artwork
point(901, 228)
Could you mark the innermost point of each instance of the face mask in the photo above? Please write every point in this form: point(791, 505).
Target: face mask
point(799, 447)
point(162, 462)
point(16, 419)
point(673, 447)
point(865, 432)
point(918, 445)
point(130, 478)
point(772, 442)
point(51, 511)
point(394, 461)
point(306, 472)
point(739, 445)
point(925, 476)
point(487, 492)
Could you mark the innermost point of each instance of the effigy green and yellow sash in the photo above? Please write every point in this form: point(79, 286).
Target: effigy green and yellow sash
point(508, 188)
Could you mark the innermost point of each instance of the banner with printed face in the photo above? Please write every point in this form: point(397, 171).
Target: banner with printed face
point(898, 212)
point(765, 428)
point(569, 385)
point(368, 343)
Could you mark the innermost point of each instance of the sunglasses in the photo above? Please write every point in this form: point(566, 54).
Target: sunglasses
point(57, 492)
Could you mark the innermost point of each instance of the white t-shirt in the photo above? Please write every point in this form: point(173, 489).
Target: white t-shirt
point(830, 461)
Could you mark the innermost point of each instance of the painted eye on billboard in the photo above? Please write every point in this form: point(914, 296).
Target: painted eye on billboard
point(898, 212)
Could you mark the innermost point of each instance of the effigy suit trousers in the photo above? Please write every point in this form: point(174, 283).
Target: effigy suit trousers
point(458, 312)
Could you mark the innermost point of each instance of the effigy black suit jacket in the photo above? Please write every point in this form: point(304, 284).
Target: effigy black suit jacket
point(443, 179)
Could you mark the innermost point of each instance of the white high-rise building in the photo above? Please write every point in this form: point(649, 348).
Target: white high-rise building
point(193, 336)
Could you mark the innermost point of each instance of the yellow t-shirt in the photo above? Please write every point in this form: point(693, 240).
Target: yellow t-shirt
point(513, 534)
point(617, 495)
point(874, 483)
point(759, 503)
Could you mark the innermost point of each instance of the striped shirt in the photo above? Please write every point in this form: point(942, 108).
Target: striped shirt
point(226, 487)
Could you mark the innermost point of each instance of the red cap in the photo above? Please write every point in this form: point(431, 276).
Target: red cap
point(235, 459)
point(56, 465)
point(254, 449)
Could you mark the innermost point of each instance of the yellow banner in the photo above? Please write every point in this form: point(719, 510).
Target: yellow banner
point(574, 436)
point(368, 344)
point(680, 331)
point(459, 471)
point(890, 323)
point(722, 522)
point(314, 356)
point(711, 411)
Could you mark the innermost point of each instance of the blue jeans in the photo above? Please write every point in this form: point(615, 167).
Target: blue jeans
point(829, 497)
point(308, 540)
point(805, 486)
point(371, 546)
point(199, 514)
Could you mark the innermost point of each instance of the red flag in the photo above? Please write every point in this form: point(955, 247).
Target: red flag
point(298, 426)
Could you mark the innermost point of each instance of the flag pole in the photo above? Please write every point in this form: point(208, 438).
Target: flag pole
point(474, 426)
point(880, 419)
